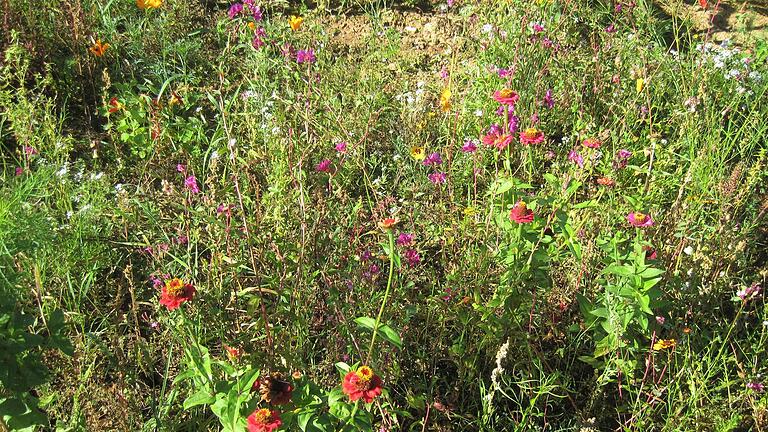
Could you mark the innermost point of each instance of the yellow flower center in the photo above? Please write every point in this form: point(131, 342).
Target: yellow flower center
point(174, 287)
point(263, 416)
point(640, 217)
point(522, 205)
point(531, 132)
point(505, 93)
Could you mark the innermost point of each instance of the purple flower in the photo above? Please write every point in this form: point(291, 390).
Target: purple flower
point(494, 130)
point(438, 177)
point(181, 168)
point(756, 386)
point(412, 257)
point(514, 124)
point(305, 56)
point(470, 146)
point(255, 11)
point(503, 73)
point(191, 184)
point(576, 158)
point(433, 160)
point(225, 209)
point(257, 42)
point(549, 102)
point(622, 156)
point(235, 10)
point(610, 29)
point(324, 166)
point(341, 147)
point(30, 151)
point(444, 73)
point(405, 239)
point(182, 240)
point(366, 255)
point(750, 292)
point(19, 171)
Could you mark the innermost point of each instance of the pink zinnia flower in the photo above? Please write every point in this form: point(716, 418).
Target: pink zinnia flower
point(637, 219)
point(520, 213)
point(531, 136)
point(506, 96)
point(496, 138)
point(438, 177)
point(324, 166)
point(191, 184)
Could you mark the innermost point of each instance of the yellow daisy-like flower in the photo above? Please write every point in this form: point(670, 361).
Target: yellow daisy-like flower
point(445, 100)
point(470, 212)
point(252, 25)
point(149, 4)
point(295, 22)
point(639, 84)
point(663, 344)
point(418, 152)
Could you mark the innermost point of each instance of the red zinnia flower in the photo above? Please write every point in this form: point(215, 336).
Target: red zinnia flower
point(362, 383)
point(592, 143)
point(506, 96)
point(498, 140)
point(264, 420)
point(388, 223)
point(637, 219)
point(175, 292)
point(531, 136)
point(232, 352)
point(520, 213)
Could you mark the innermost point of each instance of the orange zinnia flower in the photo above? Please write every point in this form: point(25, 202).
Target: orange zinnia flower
point(175, 292)
point(295, 22)
point(388, 223)
point(98, 49)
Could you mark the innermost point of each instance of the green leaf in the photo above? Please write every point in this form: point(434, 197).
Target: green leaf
point(202, 397)
point(385, 331)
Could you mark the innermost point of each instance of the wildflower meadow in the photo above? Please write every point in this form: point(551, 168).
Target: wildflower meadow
point(383, 215)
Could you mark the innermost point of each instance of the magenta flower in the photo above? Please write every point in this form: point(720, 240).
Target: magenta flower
point(412, 257)
point(433, 160)
point(470, 146)
point(622, 158)
point(503, 73)
point(756, 387)
point(191, 184)
point(438, 177)
point(366, 255)
point(225, 209)
point(324, 166)
point(30, 151)
point(405, 239)
point(341, 147)
point(749, 293)
point(305, 56)
point(610, 29)
point(181, 168)
point(235, 10)
point(549, 102)
point(19, 171)
point(575, 157)
point(640, 220)
point(257, 42)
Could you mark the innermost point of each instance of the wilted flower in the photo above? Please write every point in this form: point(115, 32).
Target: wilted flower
point(438, 177)
point(191, 184)
point(637, 219)
point(295, 22)
point(387, 224)
point(531, 136)
point(362, 383)
point(175, 292)
point(622, 157)
point(273, 389)
point(606, 181)
point(264, 420)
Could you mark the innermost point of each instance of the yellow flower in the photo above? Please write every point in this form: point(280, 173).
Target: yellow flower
point(445, 99)
point(149, 4)
point(639, 84)
point(252, 25)
point(470, 212)
point(98, 49)
point(295, 22)
point(663, 344)
point(418, 152)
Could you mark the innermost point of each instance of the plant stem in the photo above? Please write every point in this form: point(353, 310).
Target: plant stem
point(391, 235)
